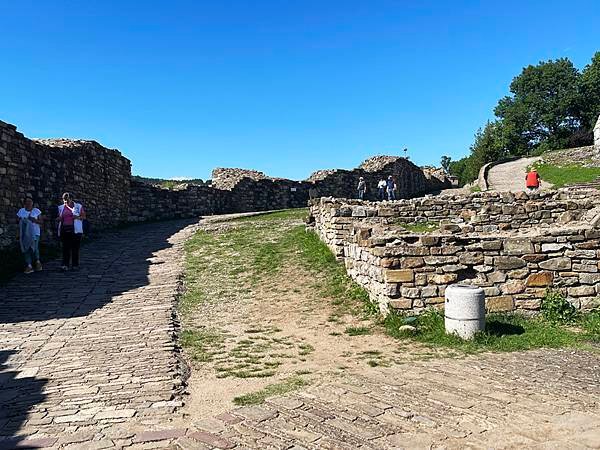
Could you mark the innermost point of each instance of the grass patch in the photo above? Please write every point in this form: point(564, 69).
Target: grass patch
point(475, 189)
point(203, 345)
point(259, 397)
point(503, 333)
point(357, 331)
point(419, 227)
point(567, 174)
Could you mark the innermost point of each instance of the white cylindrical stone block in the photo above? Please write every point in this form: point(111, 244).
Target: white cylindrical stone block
point(464, 310)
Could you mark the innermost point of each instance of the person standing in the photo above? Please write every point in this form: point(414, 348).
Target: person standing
point(362, 188)
point(532, 180)
point(70, 229)
point(381, 189)
point(28, 234)
point(391, 188)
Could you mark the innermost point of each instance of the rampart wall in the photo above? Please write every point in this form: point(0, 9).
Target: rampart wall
point(514, 246)
point(46, 168)
point(101, 179)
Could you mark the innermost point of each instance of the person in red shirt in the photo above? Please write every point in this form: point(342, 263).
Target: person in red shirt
point(532, 180)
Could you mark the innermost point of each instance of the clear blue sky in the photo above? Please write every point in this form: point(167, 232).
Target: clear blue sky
point(286, 87)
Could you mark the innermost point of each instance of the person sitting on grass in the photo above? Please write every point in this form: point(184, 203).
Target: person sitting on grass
point(28, 235)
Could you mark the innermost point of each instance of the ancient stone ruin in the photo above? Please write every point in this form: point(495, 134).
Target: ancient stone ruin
point(513, 245)
point(101, 179)
point(597, 134)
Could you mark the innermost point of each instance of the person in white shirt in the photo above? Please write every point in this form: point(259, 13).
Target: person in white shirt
point(28, 234)
point(381, 189)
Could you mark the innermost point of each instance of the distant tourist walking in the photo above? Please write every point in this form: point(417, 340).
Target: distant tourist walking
point(362, 188)
point(28, 234)
point(532, 180)
point(391, 188)
point(70, 229)
point(381, 189)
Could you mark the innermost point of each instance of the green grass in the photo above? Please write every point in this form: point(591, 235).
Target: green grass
point(503, 333)
point(475, 189)
point(203, 345)
point(357, 331)
point(419, 227)
point(259, 397)
point(568, 174)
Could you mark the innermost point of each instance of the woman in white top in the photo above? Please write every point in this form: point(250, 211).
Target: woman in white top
point(28, 234)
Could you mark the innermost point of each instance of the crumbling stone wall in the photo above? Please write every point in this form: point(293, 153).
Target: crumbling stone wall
point(148, 203)
point(411, 180)
point(411, 271)
point(97, 176)
point(514, 246)
point(101, 179)
point(485, 212)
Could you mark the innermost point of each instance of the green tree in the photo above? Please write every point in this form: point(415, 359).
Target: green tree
point(544, 108)
point(589, 89)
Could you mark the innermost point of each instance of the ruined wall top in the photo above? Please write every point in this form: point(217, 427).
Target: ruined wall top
point(597, 133)
point(228, 178)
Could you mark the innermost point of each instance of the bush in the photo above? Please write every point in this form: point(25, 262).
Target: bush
point(556, 309)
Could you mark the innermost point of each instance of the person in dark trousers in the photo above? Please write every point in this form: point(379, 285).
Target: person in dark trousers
point(381, 189)
point(532, 180)
point(362, 187)
point(391, 188)
point(70, 230)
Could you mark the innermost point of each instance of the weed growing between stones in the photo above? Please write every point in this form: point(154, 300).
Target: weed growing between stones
point(259, 397)
point(556, 309)
point(503, 333)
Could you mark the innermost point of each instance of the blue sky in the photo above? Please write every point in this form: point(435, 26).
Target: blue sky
point(286, 87)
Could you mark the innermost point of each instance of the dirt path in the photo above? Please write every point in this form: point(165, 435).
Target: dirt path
point(366, 390)
point(510, 176)
point(272, 330)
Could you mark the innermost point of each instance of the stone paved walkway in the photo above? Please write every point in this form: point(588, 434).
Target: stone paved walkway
point(83, 351)
point(89, 362)
point(510, 176)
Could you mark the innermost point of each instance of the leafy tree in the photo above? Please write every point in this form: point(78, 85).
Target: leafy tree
point(445, 162)
point(589, 89)
point(544, 109)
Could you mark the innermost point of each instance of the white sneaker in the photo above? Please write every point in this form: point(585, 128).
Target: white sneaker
point(28, 269)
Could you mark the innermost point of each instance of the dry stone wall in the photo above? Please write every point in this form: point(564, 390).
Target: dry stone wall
point(98, 176)
point(101, 179)
point(485, 212)
point(514, 246)
point(149, 203)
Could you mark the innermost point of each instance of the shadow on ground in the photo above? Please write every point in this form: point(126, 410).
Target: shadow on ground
point(112, 264)
point(19, 391)
point(115, 263)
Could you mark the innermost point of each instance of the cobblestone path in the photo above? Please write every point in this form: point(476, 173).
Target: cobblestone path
point(89, 362)
point(83, 351)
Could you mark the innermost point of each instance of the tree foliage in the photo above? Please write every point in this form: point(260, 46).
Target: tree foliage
point(551, 105)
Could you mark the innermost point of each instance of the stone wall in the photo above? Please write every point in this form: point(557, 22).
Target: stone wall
point(597, 133)
point(97, 176)
point(149, 203)
point(485, 212)
point(101, 179)
point(411, 180)
point(411, 272)
point(514, 245)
